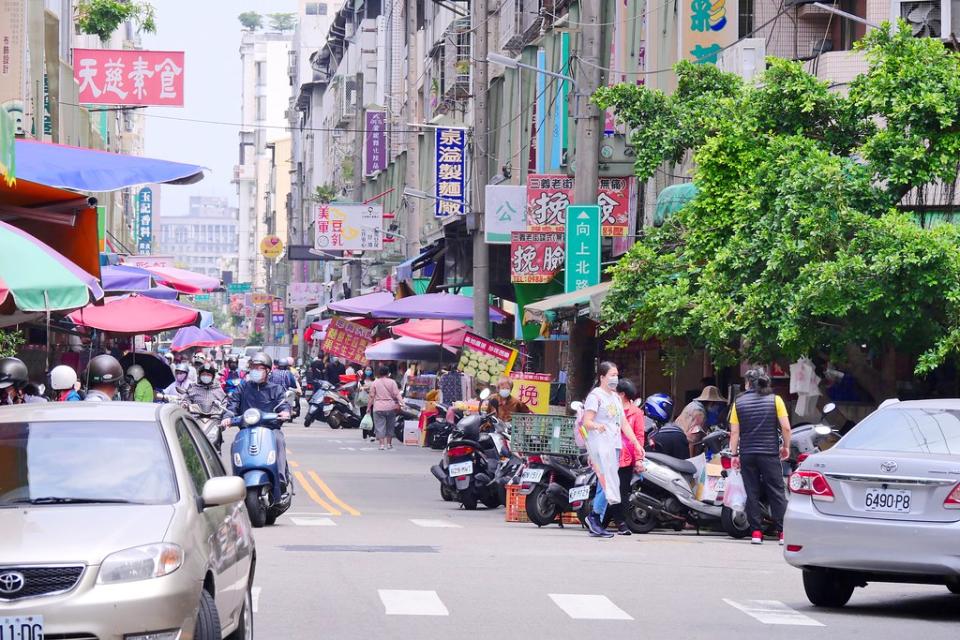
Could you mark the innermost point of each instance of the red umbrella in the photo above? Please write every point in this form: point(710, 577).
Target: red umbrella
point(135, 314)
point(447, 332)
point(184, 281)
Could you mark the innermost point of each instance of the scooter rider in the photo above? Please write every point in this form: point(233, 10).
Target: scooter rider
point(181, 380)
point(231, 377)
point(206, 393)
point(13, 378)
point(282, 376)
point(104, 375)
point(257, 393)
point(63, 380)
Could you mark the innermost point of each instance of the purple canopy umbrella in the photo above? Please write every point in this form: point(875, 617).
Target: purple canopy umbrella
point(118, 277)
point(442, 306)
point(362, 305)
point(192, 337)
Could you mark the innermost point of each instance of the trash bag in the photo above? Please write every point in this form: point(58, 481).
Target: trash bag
point(367, 423)
point(734, 493)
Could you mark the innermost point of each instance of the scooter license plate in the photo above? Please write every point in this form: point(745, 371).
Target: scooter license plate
point(461, 469)
point(531, 475)
point(579, 494)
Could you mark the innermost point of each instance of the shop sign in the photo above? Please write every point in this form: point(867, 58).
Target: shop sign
point(506, 212)
point(239, 287)
point(535, 257)
point(257, 299)
point(548, 197)
point(485, 360)
point(129, 77)
point(707, 27)
point(148, 262)
point(271, 247)
point(583, 248)
point(347, 340)
point(144, 220)
point(532, 389)
point(302, 294)
point(349, 227)
point(376, 159)
point(613, 196)
point(450, 172)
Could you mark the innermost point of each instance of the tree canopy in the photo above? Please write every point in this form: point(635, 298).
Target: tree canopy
point(794, 244)
point(282, 21)
point(251, 20)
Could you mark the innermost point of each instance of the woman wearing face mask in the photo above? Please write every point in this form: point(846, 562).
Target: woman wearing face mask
point(603, 418)
point(181, 382)
point(363, 394)
point(505, 405)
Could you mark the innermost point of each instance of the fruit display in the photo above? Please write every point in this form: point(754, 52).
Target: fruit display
point(484, 367)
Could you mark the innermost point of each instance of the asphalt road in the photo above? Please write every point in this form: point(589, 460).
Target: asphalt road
point(369, 550)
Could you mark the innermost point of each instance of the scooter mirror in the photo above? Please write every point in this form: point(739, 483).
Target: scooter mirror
point(822, 430)
point(576, 405)
point(485, 393)
point(830, 407)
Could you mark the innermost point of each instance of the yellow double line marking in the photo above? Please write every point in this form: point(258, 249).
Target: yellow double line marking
point(316, 497)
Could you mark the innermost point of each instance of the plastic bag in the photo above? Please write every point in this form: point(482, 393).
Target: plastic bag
point(367, 422)
point(700, 463)
point(734, 493)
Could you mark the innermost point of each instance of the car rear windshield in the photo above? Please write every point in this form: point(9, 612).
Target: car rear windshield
point(84, 462)
point(907, 429)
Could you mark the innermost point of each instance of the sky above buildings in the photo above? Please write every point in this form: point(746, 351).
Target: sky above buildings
point(209, 33)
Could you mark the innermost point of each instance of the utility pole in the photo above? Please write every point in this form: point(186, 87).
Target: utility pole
point(481, 252)
point(580, 367)
point(355, 266)
point(412, 219)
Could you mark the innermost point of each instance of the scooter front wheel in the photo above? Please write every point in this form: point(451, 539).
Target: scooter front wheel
point(255, 507)
point(540, 509)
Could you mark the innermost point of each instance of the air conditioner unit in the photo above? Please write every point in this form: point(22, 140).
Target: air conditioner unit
point(929, 18)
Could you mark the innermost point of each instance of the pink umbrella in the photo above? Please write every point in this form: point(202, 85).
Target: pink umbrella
point(447, 332)
point(135, 314)
point(184, 281)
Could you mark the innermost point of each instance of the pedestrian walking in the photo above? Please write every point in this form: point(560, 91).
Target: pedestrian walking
point(385, 402)
point(631, 441)
point(760, 439)
point(603, 418)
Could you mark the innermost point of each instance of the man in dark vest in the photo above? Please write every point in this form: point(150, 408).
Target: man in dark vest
point(760, 439)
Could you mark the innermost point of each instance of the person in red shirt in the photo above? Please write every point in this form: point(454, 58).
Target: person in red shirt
point(632, 439)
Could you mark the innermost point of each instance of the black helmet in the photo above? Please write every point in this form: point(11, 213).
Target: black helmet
point(104, 369)
point(208, 367)
point(232, 359)
point(261, 358)
point(13, 372)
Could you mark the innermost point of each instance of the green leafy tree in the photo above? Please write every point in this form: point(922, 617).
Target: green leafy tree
point(282, 21)
point(10, 343)
point(102, 17)
point(794, 244)
point(324, 194)
point(251, 20)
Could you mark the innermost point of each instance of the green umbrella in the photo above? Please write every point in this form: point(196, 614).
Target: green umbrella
point(38, 278)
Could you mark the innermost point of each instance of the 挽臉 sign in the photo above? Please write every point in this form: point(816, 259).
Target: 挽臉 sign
point(536, 256)
point(129, 77)
point(548, 197)
point(532, 389)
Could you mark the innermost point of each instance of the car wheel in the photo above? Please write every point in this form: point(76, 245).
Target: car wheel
point(735, 523)
point(255, 507)
point(208, 620)
point(827, 588)
point(244, 630)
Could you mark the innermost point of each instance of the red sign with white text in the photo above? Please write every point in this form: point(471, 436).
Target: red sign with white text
point(536, 257)
point(613, 196)
point(548, 197)
point(129, 77)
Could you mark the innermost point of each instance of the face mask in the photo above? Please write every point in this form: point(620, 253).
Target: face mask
point(206, 379)
point(369, 372)
point(613, 382)
point(181, 377)
point(256, 376)
point(504, 393)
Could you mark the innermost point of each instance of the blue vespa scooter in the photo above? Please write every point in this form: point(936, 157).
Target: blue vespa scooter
point(254, 458)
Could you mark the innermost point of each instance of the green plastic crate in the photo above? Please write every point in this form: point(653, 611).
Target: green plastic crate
point(535, 433)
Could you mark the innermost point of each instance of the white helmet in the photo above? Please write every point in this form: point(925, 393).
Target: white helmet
point(63, 377)
point(136, 372)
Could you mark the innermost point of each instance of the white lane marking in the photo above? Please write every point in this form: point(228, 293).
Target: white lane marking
point(313, 522)
point(308, 514)
point(773, 612)
point(435, 524)
point(400, 602)
point(347, 449)
point(589, 607)
point(255, 595)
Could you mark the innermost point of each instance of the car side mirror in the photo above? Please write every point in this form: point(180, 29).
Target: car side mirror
point(225, 490)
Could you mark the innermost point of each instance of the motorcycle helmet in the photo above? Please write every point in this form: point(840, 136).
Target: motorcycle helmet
point(232, 362)
point(282, 363)
point(169, 357)
point(136, 372)
point(13, 372)
point(182, 367)
point(262, 359)
point(63, 377)
point(658, 407)
point(290, 361)
point(104, 369)
point(199, 358)
point(208, 367)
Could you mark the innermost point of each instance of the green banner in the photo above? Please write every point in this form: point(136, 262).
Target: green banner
point(102, 227)
point(201, 297)
point(583, 247)
point(8, 148)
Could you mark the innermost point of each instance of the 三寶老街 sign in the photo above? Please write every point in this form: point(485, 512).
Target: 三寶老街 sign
point(271, 247)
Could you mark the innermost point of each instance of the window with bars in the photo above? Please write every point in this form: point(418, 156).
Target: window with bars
point(747, 16)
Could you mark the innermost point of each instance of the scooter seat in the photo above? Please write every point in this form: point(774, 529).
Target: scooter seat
point(680, 466)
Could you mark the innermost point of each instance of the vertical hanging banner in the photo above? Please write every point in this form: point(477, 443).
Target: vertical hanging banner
point(536, 256)
point(583, 248)
point(145, 221)
point(506, 212)
point(706, 28)
point(613, 196)
point(129, 77)
point(450, 172)
point(376, 159)
point(548, 197)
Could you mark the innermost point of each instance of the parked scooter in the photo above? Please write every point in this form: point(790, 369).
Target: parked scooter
point(293, 399)
point(316, 403)
point(254, 458)
point(339, 409)
point(209, 422)
point(546, 482)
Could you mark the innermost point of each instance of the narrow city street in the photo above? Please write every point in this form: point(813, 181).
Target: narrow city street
point(369, 549)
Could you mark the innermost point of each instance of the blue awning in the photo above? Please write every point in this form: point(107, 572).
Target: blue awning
point(93, 170)
point(404, 270)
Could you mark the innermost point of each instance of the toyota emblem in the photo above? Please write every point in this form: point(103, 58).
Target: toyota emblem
point(888, 467)
point(11, 582)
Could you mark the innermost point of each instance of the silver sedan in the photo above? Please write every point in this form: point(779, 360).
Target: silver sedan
point(119, 523)
point(883, 505)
